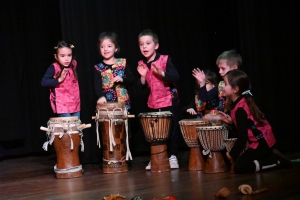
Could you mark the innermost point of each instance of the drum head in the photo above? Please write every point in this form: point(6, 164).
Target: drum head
point(111, 105)
point(155, 114)
point(64, 119)
point(196, 121)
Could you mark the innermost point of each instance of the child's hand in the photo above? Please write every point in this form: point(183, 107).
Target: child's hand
point(200, 76)
point(63, 75)
point(210, 117)
point(142, 69)
point(191, 111)
point(229, 157)
point(101, 100)
point(224, 117)
point(158, 70)
point(117, 79)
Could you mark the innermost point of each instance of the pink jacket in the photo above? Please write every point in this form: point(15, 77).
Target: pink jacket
point(66, 98)
point(265, 128)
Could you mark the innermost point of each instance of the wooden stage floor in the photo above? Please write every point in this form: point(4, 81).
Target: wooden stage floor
point(32, 177)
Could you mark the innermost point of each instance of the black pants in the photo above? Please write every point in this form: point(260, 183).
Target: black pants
point(263, 155)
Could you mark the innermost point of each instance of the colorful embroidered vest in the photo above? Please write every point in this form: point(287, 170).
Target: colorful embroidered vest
point(114, 92)
point(265, 128)
point(66, 98)
point(160, 91)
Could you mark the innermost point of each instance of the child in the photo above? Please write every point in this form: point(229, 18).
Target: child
point(228, 60)
point(206, 82)
point(112, 75)
point(251, 126)
point(61, 78)
point(159, 74)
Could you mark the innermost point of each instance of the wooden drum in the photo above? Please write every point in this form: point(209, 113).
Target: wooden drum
point(212, 141)
point(156, 126)
point(113, 125)
point(66, 137)
point(229, 144)
point(188, 130)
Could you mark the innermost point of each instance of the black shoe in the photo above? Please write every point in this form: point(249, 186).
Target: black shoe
point(283, 160)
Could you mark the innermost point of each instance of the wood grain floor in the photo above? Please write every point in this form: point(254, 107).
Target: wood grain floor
point(32, 177)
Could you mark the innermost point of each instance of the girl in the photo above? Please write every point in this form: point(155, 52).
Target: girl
point(206, 101)
point(61, 78)
point(112, 75)
point(251, 126)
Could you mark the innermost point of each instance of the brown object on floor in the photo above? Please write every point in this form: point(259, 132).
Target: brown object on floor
point(247, 189)
point(223, 193)
point(188, 130)
point(114, 197)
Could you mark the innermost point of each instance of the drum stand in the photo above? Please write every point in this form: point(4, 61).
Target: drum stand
point(159, 158)
point(196, 161)
point(215, 163)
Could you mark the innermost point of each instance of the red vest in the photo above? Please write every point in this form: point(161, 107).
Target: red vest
point(66, 98)
point(265, 128)
point(160, 93)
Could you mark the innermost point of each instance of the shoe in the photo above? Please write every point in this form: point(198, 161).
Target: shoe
point(173, 162)
point(282, 160)
point(148, 167)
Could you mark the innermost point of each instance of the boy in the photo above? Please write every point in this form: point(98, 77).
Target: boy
point(159, 74)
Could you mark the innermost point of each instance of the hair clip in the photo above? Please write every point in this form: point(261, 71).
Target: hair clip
point(71, 46)
point(56, 47)
point(247, 92)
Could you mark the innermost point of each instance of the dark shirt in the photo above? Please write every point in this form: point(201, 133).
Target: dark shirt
point(48, 80)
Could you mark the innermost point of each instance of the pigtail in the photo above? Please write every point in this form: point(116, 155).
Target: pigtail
point(257, 114)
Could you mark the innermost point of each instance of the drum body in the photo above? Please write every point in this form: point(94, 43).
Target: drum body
point(66, 144)
point(188, 130)
point(229, 144)
point(212, 141)
point(156, 127)
point(110, 117)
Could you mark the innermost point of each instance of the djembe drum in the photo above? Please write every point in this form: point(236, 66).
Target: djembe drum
point(212, 141)
point(112, 118)
point(66, 134)
point(156, 127)
point(188, 130)
point(229, 142)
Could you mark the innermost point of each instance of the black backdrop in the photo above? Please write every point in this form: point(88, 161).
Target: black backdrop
point(192, 32)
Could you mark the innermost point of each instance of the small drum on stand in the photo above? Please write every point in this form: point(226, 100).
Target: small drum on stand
point(188, 130)
point(112, 118)
point(66, 134)
point(156, 127)
point(212, 141)
point(229, 144)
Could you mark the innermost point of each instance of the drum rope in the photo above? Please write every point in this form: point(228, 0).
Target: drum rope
point(111, 120)
point(51, 133)
point(68, 170)
point(158, 152)
point(115, 161)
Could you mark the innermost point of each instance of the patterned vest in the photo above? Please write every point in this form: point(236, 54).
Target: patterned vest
point(66, 98)
point(114, 92)
point(265, 128)
point(160, 91)
point(225, 104)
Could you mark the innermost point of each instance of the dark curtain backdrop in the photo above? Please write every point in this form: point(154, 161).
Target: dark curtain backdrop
point(192, 32)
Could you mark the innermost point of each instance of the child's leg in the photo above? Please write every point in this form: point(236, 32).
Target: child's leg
point(254, 160)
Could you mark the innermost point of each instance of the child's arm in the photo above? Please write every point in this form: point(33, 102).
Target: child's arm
point(205, 95)
point(98, 85)
point(128, 77)
point(171, 73)
point(48, 80)
point(242, 133)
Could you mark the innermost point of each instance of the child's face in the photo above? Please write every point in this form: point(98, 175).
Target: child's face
point(148, 47)
point(224, 68)
point(228, 90)
point(64, 56)
point(107, 49)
